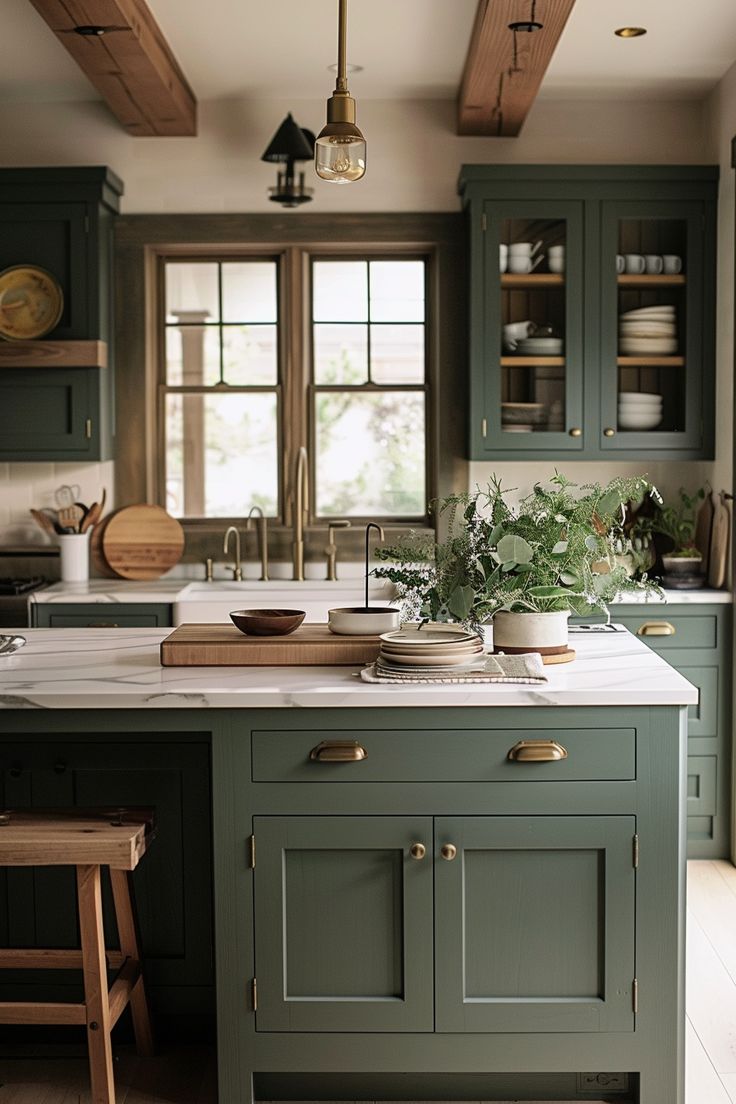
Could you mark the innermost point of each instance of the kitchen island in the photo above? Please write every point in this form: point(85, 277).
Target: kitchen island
point(451, 891)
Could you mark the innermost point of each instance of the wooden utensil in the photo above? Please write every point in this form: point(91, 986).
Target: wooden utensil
point(142, 542)
point(225, 646)
point(703, 528)
point(70, 517)
point(719, 545)
point(44, 522)
point(91, 517)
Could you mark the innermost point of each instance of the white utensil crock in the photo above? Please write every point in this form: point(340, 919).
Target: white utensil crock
point(74, 554)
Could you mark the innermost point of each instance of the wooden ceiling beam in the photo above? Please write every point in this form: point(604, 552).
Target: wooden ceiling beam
point(495, 94)
point(131, 65)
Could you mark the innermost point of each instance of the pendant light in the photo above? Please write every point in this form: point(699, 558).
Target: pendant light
point(290, 143)
point(339, 153)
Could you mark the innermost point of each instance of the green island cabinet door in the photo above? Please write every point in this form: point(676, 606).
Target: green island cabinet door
point(534, 923)
point(343, 923)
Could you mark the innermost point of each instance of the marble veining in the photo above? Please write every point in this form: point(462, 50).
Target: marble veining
point(120, 669)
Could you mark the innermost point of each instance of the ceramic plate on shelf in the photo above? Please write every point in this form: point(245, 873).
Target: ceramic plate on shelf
point(31, 303)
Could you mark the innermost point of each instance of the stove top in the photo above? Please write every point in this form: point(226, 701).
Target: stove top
point(21, 586)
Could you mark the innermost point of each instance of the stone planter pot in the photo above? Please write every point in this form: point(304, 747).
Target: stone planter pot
point(682, 565)
point(545, 633)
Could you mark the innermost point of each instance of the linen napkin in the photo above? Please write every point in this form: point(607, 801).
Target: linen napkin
point(526, 668)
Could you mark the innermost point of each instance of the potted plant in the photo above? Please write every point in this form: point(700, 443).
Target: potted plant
point(526, 567)
point(677, 524)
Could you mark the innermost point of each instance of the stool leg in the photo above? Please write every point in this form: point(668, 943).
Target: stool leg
point(122, 894)
point(96, 1000)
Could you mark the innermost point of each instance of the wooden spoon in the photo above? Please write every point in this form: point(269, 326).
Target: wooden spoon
point(91, 517)
point(44, 522)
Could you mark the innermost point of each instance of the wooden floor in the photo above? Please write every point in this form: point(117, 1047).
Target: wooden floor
point(188, 1076)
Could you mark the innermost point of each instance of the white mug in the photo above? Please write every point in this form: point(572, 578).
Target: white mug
point(654, 264)
point(620, 263)
point(556, 264)
point(503, 257)
point(513, 331)
point(672, 264)
point(635, 263)
point(521, 265)
point(556, 251)
point(524, 249)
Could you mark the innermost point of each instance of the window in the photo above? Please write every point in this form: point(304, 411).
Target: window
point(250, 371)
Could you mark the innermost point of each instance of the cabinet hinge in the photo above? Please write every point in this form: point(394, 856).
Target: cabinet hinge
point(253, 994)
point(635, 996)
point(484, 427)
point(251, 852)
point(635, 851)
point(483, 222)
point(88, 429)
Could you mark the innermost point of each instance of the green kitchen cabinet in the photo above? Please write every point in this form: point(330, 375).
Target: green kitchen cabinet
point(172, 884)
point(536, 401)
point(61, 220)
point(100, 615)
point(696, 640)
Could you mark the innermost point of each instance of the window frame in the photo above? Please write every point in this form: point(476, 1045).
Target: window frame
point(140, 243)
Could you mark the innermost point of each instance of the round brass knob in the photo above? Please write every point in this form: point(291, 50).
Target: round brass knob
point(576, 431)
point(417, 851)
point(448, 851)
point(608, 432)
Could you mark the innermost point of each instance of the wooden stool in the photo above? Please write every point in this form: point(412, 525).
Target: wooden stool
point(87, 840)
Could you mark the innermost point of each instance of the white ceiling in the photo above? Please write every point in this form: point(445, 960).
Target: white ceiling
point(413, 49)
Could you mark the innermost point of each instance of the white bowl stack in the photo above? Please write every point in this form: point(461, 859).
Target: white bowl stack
point(639, 410)
point(648, 331)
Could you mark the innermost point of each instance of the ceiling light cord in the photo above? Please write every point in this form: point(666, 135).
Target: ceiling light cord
point(341, 84)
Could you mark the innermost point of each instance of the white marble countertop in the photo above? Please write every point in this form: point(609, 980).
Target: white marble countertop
point(172, 590)
point(119, 669)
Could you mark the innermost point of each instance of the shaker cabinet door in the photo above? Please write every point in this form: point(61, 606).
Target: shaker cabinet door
point(534, 924)
point(343, 924)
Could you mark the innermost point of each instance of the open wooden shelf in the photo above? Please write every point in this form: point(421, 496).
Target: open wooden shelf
point(532, 361)
point(650, 361)
point(53, 354)
point(531, 279)
point(651, 281)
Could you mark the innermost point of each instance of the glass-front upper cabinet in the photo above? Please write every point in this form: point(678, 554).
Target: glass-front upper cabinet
point(654, 343)
point(533, 339)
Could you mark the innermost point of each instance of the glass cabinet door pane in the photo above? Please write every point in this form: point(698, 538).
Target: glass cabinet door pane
point(534, 395)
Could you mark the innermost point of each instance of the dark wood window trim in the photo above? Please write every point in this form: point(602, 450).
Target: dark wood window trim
point(141, 241)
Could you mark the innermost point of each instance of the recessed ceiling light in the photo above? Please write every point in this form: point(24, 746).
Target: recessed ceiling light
point(630, 32)
point(350, 68)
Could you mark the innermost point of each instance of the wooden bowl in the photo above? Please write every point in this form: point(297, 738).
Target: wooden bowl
point(267, 622)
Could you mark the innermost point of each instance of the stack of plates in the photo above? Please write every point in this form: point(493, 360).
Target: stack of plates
point(429, 649)
point(539, 346)
point(648, 331)
point(522, 417)
point(639, 410)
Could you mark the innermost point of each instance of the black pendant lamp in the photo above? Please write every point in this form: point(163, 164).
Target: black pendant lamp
point(290, 143)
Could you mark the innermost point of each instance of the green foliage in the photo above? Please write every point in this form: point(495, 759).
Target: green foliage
point(678, 522)
point(556, 550)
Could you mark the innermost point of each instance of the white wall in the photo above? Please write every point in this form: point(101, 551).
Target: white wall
point(414, 158)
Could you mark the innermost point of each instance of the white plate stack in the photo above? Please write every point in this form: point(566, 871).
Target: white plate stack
point(418, 650)
point(648, 331)
point(639, 410)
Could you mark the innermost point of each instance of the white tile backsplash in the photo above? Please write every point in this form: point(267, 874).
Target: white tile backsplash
point(25, 485)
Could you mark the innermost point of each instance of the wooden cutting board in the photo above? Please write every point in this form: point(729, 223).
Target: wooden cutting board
point(226, 646)
point(719, 545)
point(142, 542)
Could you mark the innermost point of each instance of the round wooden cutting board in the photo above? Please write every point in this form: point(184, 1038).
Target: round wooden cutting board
point(142, 542)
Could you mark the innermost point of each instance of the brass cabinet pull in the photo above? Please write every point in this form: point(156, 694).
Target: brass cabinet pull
point(537, 751)
point(656, 628)
point(608, 432)
point(338, 751)
point(102, 625)
point(417, 851)
point(576, 432)
point(448, 851)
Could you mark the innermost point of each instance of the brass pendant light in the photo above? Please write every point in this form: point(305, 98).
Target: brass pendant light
point(339, 153)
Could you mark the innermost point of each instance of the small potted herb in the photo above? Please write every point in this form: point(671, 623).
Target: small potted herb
point(682, 560)
point(526, 567)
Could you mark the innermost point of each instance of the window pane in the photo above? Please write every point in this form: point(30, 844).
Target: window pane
point(340, 354)
point(192, 355)
point(191, 286)
point(249, 291)
point(250, 355)
point(397, 354)
point(397, 291)
point(221, 454)
point(370, 453)
point(340, 291)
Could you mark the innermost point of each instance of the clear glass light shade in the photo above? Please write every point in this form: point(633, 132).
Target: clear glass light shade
point(340, 158)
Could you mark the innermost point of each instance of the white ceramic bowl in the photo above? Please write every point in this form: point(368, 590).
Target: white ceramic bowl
point(642, 420)
point(639, 398)
point(362, 621)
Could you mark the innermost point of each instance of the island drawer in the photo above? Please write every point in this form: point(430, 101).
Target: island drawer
point(664, 631)
point(418, 755)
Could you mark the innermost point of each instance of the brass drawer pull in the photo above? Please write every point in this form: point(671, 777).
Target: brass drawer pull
point(537, 751)
point(656, 628)
point(338, 751)
point(102, 625)
point(417, 851)
point(448, 851)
